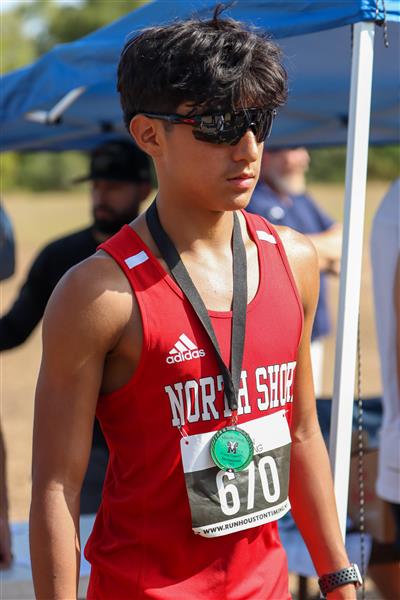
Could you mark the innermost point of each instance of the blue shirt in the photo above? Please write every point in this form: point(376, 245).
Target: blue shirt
point(7, 246)
point(303, 215)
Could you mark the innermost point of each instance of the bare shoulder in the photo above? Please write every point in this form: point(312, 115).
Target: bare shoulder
point(303, 261)
point(298, 247)
point(93, 298)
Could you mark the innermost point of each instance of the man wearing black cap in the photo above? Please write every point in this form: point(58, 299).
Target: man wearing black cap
point(120, 176)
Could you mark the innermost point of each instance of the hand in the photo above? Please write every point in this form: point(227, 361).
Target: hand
point(5, 544)
point(344, 592)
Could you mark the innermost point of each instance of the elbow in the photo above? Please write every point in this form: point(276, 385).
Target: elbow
point(50, 498)
point(305, 434)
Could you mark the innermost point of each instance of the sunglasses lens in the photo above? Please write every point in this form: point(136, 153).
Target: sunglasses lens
point(262, 124)
point(229, 128)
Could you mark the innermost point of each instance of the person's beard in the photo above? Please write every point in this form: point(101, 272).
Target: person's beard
point(293, 184)
point(112, 224)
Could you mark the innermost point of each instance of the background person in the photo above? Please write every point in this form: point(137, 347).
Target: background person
point(7, 245)
point(385, 258)
point(120, 179)
point(7, 267)
point(280, 196)
point(5, 536)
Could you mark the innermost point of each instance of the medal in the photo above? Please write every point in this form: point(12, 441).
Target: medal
point(231, 449)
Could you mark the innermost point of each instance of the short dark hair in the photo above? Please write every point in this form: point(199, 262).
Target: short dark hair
point(211, 64)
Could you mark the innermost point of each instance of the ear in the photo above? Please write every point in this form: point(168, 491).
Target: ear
point(147, 134)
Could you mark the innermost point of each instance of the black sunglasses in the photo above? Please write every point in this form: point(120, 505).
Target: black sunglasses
point(224, 127)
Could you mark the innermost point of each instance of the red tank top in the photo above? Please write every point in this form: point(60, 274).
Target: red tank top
point(143, 543)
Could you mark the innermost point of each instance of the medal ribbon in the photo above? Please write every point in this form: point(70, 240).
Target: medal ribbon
point(239, 301)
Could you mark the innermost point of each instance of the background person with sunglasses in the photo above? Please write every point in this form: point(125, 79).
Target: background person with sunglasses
point(188, 335)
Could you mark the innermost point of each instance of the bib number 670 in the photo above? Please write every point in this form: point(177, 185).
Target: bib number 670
point(229, 494)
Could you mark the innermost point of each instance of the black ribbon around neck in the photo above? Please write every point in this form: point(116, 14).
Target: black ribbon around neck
point(239, 302)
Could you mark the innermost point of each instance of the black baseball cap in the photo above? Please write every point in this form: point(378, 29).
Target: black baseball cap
point(118, 160)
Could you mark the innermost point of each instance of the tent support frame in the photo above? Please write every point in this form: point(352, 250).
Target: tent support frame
point(350, 277)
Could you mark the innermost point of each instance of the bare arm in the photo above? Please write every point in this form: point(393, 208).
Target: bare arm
point(311, 489)
point(78, 331)
point(328, 244)
point(20, 320)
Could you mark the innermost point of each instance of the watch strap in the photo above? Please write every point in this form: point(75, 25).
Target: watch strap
point(330, 581)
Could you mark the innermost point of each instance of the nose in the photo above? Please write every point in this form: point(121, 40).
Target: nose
point(247, 148)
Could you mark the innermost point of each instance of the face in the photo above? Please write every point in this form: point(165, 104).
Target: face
point(215, 177)
point(115, 203)
point(283, 163)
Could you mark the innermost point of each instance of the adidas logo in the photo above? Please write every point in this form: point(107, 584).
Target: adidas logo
point(184, 349)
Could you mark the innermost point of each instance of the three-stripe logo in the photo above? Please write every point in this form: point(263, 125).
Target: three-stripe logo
point(184, 349)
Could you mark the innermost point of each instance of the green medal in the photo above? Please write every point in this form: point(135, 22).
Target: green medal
point(231, 449)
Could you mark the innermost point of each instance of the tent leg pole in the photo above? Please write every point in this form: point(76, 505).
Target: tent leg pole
point(350, 277)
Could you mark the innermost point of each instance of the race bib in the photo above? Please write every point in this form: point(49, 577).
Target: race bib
point(222, 502)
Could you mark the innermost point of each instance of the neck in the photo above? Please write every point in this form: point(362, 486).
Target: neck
point(192, 228)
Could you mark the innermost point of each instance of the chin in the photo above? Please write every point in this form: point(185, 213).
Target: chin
point(221, 199)
point(239, 201)
point(107, 227)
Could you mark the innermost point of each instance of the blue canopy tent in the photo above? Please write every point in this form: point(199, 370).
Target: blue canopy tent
point(67, 99)
point(72, 87)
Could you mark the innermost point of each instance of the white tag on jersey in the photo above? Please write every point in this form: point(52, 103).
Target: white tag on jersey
point(222, 502)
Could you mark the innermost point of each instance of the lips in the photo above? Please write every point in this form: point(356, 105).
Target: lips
point(244, 176)
point(103, 211)
point(242, 181)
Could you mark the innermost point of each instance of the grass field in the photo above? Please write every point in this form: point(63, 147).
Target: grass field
point(40, 218)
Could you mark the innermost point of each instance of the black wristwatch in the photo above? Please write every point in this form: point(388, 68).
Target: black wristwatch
point(329, 582)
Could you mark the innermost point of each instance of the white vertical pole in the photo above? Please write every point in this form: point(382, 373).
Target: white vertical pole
point(350, 277)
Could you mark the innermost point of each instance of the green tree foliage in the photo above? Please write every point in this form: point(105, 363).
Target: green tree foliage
point(65, 23)
point(92, 15)
point(384, 162)
point(31, 29)
point(27, 31)
point(328, 164)
point(16, 48)
point(9, 166)
point(49, 170)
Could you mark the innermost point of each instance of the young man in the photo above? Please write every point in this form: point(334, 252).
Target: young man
point(199, 456)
